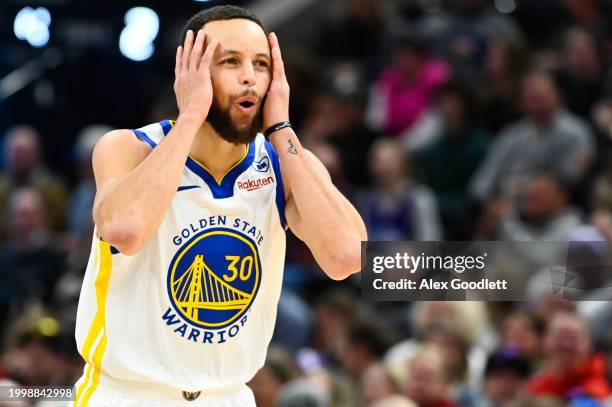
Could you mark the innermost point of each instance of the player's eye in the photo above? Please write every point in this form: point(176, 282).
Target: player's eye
point(262, 63)
point(231, 61)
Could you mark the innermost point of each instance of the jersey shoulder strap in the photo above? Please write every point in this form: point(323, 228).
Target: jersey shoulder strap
point(154, 133)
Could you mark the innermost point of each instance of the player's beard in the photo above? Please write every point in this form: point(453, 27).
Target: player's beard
point(221, 121)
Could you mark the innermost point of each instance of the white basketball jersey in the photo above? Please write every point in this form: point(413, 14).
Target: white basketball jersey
point(195, 308)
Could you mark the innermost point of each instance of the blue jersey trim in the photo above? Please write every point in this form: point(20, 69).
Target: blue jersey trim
point(114, 250)
point(143, 136)
point(166, 126)
point(224, 189)
point(186, 187)
point(280, 189)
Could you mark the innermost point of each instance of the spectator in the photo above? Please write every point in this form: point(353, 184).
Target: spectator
point(80, 221)
point(521, 333)
point(461, 326)
point(25, 168)
point(506, 374)
point(498, 93)
point(270, 379)
point(455, 349)
point(589, 15)
point(30, 261)
point(547, 139)
point(394, 401)
point(582, 77)
point(427, 383)
point(571, 367)
point(405, 89)
point(303, 393)
point(462, 33)
point(460, 144)
point(395, 207)
point(537, 402)
point(543, 213)
point(333, 313)
point(40, 352)
point(331, 159)
point(364, 345)
point(337, 118)
point(353, 33)
point(377, 385)
point(294, 322)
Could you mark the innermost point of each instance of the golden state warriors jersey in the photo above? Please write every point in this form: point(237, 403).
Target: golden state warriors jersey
point(195, 308)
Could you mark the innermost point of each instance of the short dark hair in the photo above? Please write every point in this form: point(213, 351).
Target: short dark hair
point(508, 360)
point(217, 13)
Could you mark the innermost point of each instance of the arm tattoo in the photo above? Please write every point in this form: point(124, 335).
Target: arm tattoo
point(291, 149)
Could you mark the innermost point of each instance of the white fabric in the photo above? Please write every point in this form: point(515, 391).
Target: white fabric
point(148, 339)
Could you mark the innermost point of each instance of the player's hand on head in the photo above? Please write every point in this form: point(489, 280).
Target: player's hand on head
point(276, 108)
point(192, 84)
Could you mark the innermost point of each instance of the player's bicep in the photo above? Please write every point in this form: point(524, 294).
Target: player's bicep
point(115, 155)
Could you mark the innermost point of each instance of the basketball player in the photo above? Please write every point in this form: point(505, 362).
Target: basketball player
point(179, 298)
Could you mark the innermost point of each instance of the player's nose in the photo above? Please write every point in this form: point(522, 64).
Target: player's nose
point(247, 75)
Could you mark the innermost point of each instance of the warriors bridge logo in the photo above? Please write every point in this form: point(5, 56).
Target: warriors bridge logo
point(213, 279)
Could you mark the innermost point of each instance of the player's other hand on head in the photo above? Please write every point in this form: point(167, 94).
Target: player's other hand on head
point(276, 109)
point(192, 84)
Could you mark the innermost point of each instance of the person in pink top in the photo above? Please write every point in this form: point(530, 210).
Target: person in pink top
point(405, 89)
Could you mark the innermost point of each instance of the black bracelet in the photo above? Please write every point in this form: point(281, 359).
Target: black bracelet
point(275, 127)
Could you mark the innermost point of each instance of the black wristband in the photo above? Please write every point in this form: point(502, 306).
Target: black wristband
point(275, 127)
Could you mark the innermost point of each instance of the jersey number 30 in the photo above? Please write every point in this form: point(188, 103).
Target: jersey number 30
point(246, 267)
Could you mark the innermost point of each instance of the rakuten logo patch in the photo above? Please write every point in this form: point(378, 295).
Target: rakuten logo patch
point(251, 185)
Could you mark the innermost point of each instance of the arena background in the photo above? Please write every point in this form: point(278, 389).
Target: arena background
point(439, 119)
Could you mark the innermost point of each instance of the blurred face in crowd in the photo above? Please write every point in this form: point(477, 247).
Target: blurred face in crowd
point(503, 386)
point(496, 62)
point(387, 162)
point(426, 383)
point(240, 77)
point(355, 356)
point(431, 314)
point(23, 151)
point(266, 386)
point(539, 96)
point(454, 350)
point(330, 158)
point(36, 364)
point(567, 342)
point(27, 213)
point(331, 323)
point(409, 62)
point(376, 384)
point(452, 107)
point(580, 54)
point(543, 198)
point(520, 333)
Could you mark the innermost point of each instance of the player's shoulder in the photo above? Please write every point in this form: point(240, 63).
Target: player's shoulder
point(118, 145)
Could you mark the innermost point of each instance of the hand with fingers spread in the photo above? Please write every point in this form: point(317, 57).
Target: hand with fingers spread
point(276, 108)
point(192, 86)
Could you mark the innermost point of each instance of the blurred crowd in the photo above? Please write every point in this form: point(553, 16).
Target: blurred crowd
point(440, 120)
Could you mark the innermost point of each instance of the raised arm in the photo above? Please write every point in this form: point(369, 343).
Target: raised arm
point(316, 211)
point(134, 184)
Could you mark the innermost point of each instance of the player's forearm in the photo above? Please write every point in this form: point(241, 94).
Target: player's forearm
point(331, 226)
point(135, 205)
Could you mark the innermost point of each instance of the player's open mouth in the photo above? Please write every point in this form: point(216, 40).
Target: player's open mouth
point(247, 104)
